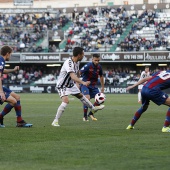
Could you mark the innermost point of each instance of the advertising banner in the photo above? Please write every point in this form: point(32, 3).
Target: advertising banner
point(122, 56)
point(157, 56)
point(147, 56)
point(32, 57)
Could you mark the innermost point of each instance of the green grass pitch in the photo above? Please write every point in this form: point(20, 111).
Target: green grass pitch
point(77, 145)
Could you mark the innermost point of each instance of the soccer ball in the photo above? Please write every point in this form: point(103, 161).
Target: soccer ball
point(100, 98)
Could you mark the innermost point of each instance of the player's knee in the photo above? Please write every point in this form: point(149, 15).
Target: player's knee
point(17, 97)
point(66, 101)
point(13, 102)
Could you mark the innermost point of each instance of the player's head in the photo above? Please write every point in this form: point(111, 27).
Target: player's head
point(96, 59)
point(79, 53)
point(146, 69)
point(6, 52)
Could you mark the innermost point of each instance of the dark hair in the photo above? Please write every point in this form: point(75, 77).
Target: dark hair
point(96, 55)
point(146, 66)
point(77, 51)
point(5, 50)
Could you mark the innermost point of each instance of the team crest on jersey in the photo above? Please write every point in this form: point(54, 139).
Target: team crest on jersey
point(164, 96)
point(1, 67)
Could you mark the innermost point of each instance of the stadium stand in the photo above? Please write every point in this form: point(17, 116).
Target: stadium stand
point(104, 30)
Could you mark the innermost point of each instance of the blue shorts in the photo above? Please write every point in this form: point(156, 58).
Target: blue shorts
point(92, 91)
point(155, 95)
point(6, 92)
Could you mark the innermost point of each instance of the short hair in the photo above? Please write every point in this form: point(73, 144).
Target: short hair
point(96, 55)
point(146, 66)
point(5, 50)
point(77, 51)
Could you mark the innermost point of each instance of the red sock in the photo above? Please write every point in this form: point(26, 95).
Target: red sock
point(19, 119)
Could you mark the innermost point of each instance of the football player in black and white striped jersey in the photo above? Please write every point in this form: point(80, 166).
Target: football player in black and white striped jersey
point(68, 84)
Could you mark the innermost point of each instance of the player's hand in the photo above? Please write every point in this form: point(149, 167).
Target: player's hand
point(129, 87)
point(2, 96)
point(16, 68)
point(87, 83)
point(102, 90)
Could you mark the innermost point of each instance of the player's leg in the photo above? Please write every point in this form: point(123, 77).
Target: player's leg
point(8, 107)
point(166, 127)
point(93, 92)
point(18, 111)
point(63, 93)
point(138, 113)
point(85, 92)
point(76, 92)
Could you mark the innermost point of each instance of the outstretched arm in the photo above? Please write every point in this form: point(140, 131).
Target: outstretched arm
point(77, 80)
point(102, 83)
point(6, 71)
point(138, 83)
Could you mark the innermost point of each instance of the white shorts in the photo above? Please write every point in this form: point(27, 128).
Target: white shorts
point(140, 86)
point(68, 91)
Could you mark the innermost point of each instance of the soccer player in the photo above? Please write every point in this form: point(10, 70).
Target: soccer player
point(6, 95)
point(144, 74)
point(66, 84)
point(152, 90)
point(90, 72)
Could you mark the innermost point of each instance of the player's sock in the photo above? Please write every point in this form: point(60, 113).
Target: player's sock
point(167, 120)
point(86, 102)
point(60, 110)
point(137, 116)
point(6, 109)
point(139, 96)
point(85, 108)
point(17, 108)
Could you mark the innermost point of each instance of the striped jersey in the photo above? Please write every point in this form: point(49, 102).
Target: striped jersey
point(64, 79)
point(159, 80)
point(2, 64)
point(90, 72)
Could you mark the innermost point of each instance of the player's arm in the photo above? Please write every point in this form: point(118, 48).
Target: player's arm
point(138, 83)
point(2, 95)
point(77, 80)
point(102, 83)
point(6, 71)
point(78, 75)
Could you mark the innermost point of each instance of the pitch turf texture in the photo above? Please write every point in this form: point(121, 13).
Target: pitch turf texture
point(77, 145)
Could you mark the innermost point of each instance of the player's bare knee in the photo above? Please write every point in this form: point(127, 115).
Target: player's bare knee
point(15, 95)
point(13, 102)
point(65, 101)
point(79, 96)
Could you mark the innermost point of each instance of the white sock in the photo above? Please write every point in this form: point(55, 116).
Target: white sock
point(139, 96)
point(60, 110)
point(86, 102)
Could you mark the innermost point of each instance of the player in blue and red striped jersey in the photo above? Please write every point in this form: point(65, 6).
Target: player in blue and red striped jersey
point(6, 95)
point(91, 72)
point(152, 90)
